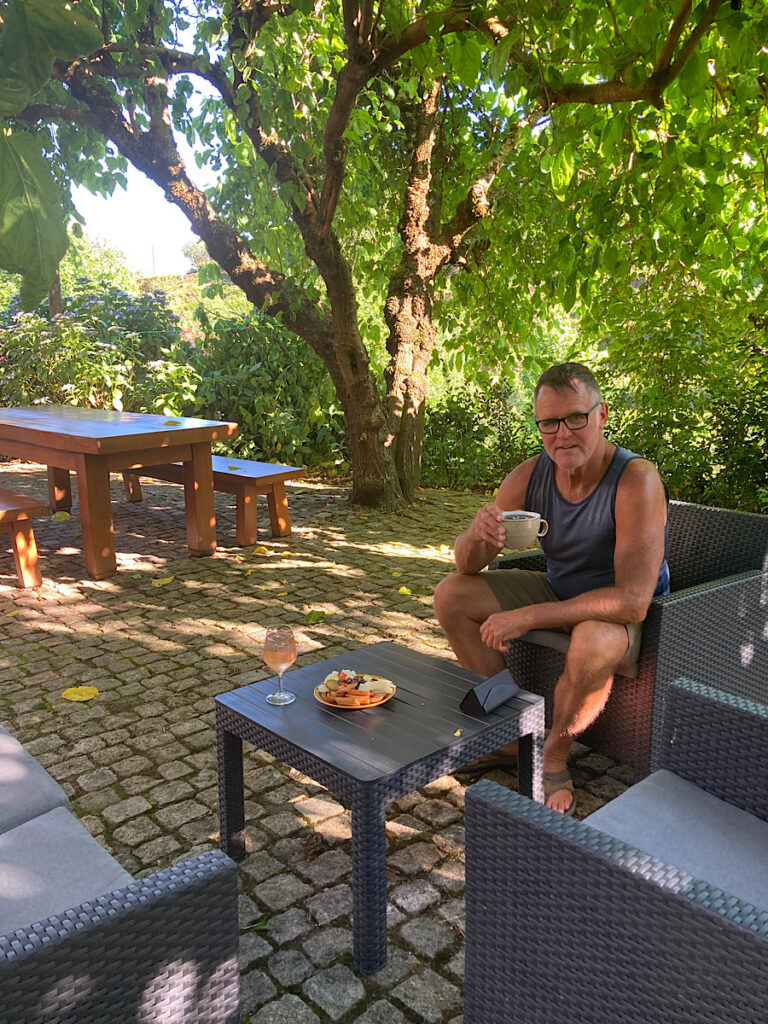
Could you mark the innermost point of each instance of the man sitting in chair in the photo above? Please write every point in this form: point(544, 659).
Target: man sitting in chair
point(605, 549)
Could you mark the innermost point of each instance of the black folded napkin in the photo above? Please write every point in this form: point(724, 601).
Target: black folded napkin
point(490, 694)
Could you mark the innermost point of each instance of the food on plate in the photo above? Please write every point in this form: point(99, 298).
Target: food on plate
point(350, 689)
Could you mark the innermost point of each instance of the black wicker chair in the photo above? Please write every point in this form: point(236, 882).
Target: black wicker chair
point(161, 950)
point(713, 555)
point(655, 908)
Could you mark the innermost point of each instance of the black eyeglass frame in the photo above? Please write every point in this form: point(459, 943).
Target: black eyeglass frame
point(564, 419)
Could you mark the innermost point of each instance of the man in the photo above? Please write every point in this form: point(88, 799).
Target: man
point(605, 547)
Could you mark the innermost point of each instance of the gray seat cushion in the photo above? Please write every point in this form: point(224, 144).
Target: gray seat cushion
point(556, 640)
point(26, 789)
point(50, 864)
point(692, 830)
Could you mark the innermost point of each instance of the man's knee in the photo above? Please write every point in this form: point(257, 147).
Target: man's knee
point(448, 598)
point(465, 598)
point(596, 647)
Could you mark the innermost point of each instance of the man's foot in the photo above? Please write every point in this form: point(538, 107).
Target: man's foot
point(558, 791)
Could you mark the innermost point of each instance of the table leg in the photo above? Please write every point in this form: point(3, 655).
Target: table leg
point(231, 798)
point(530, 772)
point(96, 516)
point(59, 488)
point(369, 884)
point(279, 516)
point(198, 501)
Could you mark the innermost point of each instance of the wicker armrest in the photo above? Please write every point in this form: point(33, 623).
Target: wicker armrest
point(635, 938)
point(163, 948)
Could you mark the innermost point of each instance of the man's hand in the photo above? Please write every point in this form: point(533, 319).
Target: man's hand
point(487, 527)
point(503, 626)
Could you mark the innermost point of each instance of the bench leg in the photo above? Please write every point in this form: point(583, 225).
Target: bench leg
point(25, 554)
point(59, 488)
point(279, 517)
point(132, 487)
point(245, 526)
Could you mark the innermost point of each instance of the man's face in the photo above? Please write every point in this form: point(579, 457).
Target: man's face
point(570, 449)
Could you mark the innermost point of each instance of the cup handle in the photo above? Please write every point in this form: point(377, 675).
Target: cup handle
point(541, 532)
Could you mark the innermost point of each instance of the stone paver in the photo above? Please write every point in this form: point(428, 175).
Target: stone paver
point(139, 761)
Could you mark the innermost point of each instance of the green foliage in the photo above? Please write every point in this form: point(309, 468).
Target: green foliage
point(32, 234)
point(474, 436)
point(262, 377)
point(108, 349)
point(190, 303)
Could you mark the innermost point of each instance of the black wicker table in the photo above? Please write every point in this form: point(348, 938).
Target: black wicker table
point(368, 757)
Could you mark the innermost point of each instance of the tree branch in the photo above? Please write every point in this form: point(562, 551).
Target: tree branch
point(174, 62)
point(155, 153)
point(652, 89)
point(673, 37)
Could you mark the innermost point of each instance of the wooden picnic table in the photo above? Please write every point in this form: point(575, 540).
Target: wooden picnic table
point(96, 442)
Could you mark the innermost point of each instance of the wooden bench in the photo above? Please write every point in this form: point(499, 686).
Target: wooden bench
point(16, 513)
point(233, 476)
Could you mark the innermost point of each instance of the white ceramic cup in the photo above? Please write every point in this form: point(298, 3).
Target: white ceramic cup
point(523, 529)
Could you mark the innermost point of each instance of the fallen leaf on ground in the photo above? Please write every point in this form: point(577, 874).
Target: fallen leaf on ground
point(260, 551)
point(397, 574)
point(80, 693)
point(162, 581)
point(283, 593)
point(16, 612)
point(404, 590)
point(171, 423)
point(60, 517)
point(135, 575)
point(314, 616)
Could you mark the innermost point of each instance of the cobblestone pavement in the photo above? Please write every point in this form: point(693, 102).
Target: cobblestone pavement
point(139, 760)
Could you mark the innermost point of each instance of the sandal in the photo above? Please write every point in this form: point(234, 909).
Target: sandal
point(487, 763)
point(555, 782)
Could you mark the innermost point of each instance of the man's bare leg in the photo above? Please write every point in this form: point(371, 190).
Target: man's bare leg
point(596, 650)
point(462, 604)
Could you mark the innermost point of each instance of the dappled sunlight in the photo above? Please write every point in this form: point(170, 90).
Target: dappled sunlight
point(64, 997)
point(18, 883)
point(171, 994)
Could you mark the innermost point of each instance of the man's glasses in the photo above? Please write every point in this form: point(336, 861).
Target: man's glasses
point(574, 421)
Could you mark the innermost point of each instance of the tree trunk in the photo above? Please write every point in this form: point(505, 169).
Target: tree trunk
point(55, 307)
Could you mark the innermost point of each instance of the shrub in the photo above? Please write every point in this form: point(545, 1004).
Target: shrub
point(272, 384)
point(474, 436)
point(108, 349)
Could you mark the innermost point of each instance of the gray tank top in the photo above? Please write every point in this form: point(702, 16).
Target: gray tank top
point(582, 537)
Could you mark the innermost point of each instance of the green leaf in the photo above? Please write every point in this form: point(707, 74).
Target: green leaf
point(32, 234)
point(694, 78)
point(562, 170)
point(35, 33)
point(314, 616)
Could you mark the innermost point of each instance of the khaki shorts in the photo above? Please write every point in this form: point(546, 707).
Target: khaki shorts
point(515, 588)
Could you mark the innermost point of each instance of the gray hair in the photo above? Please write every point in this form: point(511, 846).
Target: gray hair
point(561, 378)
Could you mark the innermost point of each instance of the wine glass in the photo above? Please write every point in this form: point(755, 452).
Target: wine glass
point(280, 654)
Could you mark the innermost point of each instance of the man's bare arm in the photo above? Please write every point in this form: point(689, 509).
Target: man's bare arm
point(481, 542)
point(640, 520)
